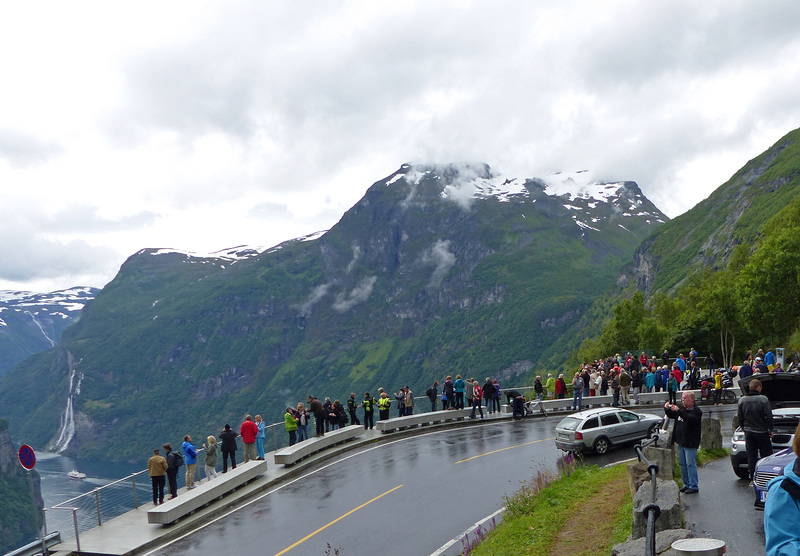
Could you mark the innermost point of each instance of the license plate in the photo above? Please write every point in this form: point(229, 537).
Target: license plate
point(763, 495)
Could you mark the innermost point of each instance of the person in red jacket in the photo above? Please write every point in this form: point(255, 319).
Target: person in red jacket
point(249, 431)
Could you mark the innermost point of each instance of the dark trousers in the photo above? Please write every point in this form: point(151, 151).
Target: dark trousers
point(755, 443)
point(519, 407)
point(225, 455)
point(292, 438)
point(158, 488)
point(369, 419)
point(320, 420)
point(459, 400)
point(673, 397)
point(354, 418)
point(476, 404)
point(172, 477)
point(383, 414)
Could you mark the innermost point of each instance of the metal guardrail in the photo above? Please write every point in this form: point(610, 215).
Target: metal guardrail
point(39, 546)
point(651, 510)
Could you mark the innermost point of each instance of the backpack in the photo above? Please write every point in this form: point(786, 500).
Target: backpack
point(177, 459)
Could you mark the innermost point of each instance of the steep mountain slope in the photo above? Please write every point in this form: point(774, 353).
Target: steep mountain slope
point(733, 214)
point(17, 517)
point(33, 322)
point(436, 270)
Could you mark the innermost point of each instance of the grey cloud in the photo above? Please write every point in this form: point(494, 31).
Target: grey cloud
point(84, 218)
point(23, 150)
point(313, 298)
point(357, 295)
point(355, 259)
point(28, 258)
point(269, 210)
point(442, 259)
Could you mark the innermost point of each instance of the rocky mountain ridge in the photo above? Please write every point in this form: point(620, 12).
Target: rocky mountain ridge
point(33, 322)
point(438, 269)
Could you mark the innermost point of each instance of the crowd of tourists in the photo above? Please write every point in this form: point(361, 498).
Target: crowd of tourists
point(624, 376)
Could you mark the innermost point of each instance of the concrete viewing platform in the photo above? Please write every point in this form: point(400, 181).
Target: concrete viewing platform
point(136, 532)
point(131, 533)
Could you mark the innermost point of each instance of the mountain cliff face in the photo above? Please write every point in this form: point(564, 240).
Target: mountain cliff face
point(16, 507)
point(733, 214)
point(437, 270)
point(33, 322)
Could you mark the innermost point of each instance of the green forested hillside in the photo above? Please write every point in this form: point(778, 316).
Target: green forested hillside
point(725, 276)
point(409, 286)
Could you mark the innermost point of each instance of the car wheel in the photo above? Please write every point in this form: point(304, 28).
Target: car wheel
point(601, 446)
point(742, 472)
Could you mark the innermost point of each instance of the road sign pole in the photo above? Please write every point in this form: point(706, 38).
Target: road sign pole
point(36, 514)
point(27, 459)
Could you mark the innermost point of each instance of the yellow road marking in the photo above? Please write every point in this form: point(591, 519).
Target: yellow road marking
point(506, 448)
point(304, 539)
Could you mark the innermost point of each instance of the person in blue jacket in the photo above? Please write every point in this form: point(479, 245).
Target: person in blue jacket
point(782, 508)
point(190, 455)
point(458, 386)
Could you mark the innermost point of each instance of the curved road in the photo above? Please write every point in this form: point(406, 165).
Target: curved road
point(411, 495)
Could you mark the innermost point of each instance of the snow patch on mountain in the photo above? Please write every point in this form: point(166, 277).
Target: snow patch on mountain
point(576, 191)
point(70, 300)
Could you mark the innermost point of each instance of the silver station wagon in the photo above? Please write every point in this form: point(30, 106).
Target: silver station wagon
point(601, 428)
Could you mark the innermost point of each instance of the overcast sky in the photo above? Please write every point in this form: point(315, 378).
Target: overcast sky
point(204, 125)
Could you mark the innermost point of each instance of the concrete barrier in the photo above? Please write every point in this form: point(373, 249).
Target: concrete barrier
point(292, 454)
point(205, 493)
point(645, 399)
point(399, 423)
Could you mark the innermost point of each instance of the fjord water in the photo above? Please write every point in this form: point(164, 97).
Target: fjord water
point(58, 487)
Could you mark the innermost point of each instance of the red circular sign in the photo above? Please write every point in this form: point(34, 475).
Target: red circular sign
point(26, 457)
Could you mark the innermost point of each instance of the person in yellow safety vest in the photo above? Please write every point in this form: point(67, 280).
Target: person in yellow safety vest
point(384, 404)
point(369, 406)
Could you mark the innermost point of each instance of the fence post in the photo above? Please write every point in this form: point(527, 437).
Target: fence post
point(97, 503)
point(135, 500)
point(75, 521)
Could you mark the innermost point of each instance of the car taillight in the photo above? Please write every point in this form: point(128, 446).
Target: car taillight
point(578, 435)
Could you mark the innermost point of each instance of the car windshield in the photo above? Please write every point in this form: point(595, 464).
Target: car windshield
point(569, 423)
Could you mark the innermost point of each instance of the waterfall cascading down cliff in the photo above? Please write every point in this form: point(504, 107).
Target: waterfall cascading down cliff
point(67, 431)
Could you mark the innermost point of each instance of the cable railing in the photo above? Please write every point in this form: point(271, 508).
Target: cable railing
point(106, 502)
point(111, 500)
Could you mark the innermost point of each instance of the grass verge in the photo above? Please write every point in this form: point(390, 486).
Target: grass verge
point(539, 521)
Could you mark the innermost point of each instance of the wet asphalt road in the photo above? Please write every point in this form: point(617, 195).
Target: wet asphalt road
point(413, 495)
point(409, 496)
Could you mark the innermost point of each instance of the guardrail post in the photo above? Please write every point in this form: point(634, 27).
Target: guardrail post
point(652, 510)
point(97, 503)
point(135, 500)
point(75, 521)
